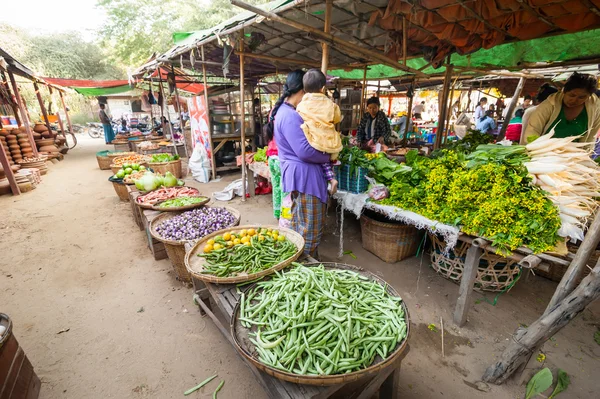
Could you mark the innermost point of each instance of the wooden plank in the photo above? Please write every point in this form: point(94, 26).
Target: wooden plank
point(8, 352)
point(34, 387)
point(62, 100)
point(10, 175)
point(23, 380)
point(467, 283)
point(243, 117)
point(326, 29)
point(11, 379)
point(23, 112)
point(42, 106)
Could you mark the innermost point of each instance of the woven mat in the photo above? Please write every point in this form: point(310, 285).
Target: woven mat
point(355, 203)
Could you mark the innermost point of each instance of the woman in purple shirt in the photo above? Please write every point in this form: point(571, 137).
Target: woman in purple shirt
point(301, 166)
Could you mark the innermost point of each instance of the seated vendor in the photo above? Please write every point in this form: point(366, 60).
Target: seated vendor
point(515, 127)
point(374, 126)
point(486, 124)
point(575, 111)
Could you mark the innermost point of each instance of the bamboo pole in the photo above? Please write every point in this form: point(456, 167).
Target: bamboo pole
point(180, 116)
point(42, 106)
point(24, 115)
point(62, 100)
point(212, 153)
point(408, 115)
point(335, 42)
point(449, 111)
point(363, 92)
point(442, 107)
point(326, 29)
point(243, 116)
point(511, 107)
point(292, 61)
point(404, 40)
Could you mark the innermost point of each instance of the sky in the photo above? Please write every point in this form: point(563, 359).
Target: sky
point(44, 16)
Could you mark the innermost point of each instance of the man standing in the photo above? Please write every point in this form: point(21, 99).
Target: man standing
point(418, 110)
point(109, 134)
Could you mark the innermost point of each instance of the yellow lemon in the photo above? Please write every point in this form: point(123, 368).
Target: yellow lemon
point(217, 247)
point(251, 232)
point(281, 238)
point(227, 236)
point(245, 239)
point(247, 243)
point(208, 248)
point(243, 232)
point(229, 244)
point(237, 241)
point(210, 242)
point(261, 238)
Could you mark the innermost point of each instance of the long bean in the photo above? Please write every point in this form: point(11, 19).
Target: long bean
point(320, 321)
point(218, 389)
point(203, 383)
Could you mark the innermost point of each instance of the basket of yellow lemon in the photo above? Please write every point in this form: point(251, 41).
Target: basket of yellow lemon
point(244, 253)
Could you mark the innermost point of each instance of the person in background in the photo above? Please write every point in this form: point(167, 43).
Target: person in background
point(575, 111)
point(418, 110)
point(166, 128)
point(480, 110)
point(123, 123)
point(304, 184)
point(543, 93)
point(257, 123)
point(109, 134)
point(487, 124)
point(374, 126)
point(515, 127)
point(526, 102)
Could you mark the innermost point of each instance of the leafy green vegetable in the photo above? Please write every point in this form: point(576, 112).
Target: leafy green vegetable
point(468, 144)
point(261, 155)
point(384, 170)
point(562, 384)
point(539, 383)
point(355, 158)
point(164, 157)
point(513, 155)
point(181, 201)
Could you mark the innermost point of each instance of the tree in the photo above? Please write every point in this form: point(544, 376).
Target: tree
point(134, 29)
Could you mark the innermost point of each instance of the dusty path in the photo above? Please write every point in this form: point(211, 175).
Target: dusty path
point(72, 259)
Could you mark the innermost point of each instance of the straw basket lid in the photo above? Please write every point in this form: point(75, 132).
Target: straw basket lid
point(151, 207)
point(169, 215)
point(246, 348)
point(200, 204)
point(195, 264)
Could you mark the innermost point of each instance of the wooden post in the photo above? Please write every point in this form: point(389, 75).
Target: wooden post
point(467, 282)
point(404, 40)
point(180, 117)
point(442, 107)
point(14, 187)
point(326, 29)
point(524, 340)
point(512, 107)
point(577, 266)
point(62, 100)
point(408, 114)
point(166, 105)
point(42, 106)
point(212, 153)
point(14, 105)
point(334, 41)
point(449, 111)
point(363, 92)
point(243, 116)
point(23, 112)
point(60, 124)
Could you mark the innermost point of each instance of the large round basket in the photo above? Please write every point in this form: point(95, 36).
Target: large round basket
point(121, 190)
point(104, 161)
point(181, 208)
point(246, 348)
point(195, 264)
point(151, 207)
point(163, 167)
point(176, 249)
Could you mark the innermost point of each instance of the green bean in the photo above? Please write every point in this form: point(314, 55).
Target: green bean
point(203, 383)
point(218, 389)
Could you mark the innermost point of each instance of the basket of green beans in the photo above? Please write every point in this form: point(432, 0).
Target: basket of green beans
point(243, 253)
point(320, 324)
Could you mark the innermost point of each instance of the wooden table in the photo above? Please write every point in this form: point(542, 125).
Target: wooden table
point(225, 297)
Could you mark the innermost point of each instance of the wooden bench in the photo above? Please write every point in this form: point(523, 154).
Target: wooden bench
point(225, 297)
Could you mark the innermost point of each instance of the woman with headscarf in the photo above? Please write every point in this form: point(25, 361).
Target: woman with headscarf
point(374, 126)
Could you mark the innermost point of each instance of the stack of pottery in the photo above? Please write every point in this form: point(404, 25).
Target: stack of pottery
point(35, 163)
point(45, 140)
point(3, 137)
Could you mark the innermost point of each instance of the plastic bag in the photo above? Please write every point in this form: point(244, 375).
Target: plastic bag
point(199, 164)
point(379, 192)
point(234, 188)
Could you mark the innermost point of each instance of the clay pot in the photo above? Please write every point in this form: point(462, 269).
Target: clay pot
point(36, 136)
point(4, 132)
point(14, 147)
point(40, 128)
point(11, 137)
point(49, 148)
point(23, 140)
point(46, 135)
point(22, 135)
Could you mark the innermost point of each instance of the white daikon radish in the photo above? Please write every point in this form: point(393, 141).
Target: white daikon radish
point(547, 180)
point(544, 168)
point(574, 211)
point(570, 230)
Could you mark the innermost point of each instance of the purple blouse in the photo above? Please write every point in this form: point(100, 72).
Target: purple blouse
point(301, 164)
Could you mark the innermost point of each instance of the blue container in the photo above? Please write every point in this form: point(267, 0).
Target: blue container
point(357, 183)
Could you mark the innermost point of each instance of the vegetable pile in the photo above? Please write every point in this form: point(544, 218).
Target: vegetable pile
point(472, 140)
point(246, 252)
point(130, 159)
point(316, 321)
point(166, 193)
point(129, 169)
point(261, 155)
point(151, 181)
point(355, 158)
point(181, 201)
point(195, 224)
point(565, 170)
point(157, 158)
point(490, 198)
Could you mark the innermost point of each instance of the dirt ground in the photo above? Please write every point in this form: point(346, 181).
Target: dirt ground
point(100, 318)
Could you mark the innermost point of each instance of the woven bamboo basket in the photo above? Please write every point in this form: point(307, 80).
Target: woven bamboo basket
point(176, 249)
point(181, 208)
point(113, 155)
point(121, 190)
point(389, 241)
point(195, 264)
point(104, 161)
point(246, 348)
point(151, 207)
point(163, 167)
point(495, 273)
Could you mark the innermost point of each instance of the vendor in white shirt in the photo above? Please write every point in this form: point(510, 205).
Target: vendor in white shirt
point(418, 110)
point(480, 110)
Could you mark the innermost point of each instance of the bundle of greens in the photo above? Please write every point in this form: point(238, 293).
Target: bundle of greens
point(468, 144)
point(514, 155)
point(492, 200)
point(355, 158)
point(156, 158)
point(261, 155)
point(385, 170)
